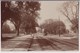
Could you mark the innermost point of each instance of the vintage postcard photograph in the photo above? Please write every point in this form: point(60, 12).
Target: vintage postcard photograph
point(39, 25)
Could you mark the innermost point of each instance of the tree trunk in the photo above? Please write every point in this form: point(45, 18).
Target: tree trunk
point(18, 31)
point(17, 26)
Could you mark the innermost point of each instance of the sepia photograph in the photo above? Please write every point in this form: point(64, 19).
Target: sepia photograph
point(39, 25)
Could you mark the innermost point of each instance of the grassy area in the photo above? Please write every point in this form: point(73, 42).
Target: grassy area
point(7, 36)
point(64, 35)
point(11, 34)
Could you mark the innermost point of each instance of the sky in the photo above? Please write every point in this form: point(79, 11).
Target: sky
point(50, 10)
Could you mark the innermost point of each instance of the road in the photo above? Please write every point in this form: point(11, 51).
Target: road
point(37, 42)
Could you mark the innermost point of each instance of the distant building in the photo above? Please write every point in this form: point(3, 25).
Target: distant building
point(8, 27)
point(11, 25)
point(38, 29)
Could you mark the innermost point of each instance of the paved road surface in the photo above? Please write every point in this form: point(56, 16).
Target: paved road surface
point(37, 42)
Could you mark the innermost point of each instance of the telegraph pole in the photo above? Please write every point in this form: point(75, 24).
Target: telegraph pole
point(59, 26)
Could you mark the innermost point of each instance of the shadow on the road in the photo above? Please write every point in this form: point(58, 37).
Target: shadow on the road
point(44, 43)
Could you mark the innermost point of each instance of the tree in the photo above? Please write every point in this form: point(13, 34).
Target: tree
point(29, 19)
point(15, 14)
point(53, 27)
point(70, 11)
point(75, 27)
point(9, 13)
point(5, 11)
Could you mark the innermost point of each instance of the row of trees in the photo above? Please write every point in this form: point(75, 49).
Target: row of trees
point(54, 27)
point(22, 14)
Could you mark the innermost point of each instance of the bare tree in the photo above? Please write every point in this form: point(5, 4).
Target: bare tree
point(70, 10)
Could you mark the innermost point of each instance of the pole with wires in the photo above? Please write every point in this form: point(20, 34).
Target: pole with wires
point(59, 26)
